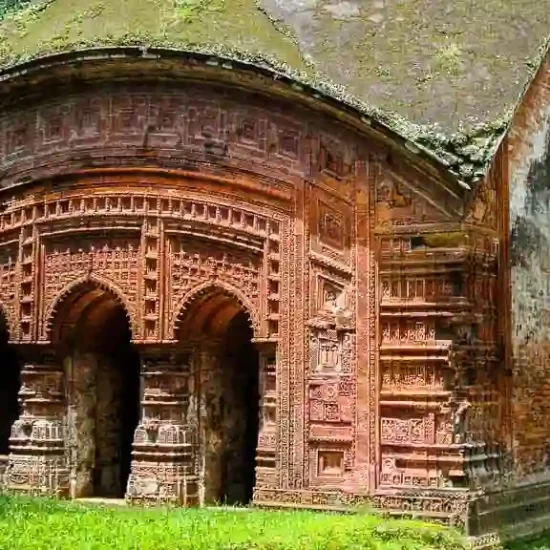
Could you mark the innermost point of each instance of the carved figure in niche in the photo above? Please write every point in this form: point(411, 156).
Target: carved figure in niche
point(396, 205)
point(330, 300)
point(332, 227)
point(329, 356)
point(459, 421)
point(390, 194)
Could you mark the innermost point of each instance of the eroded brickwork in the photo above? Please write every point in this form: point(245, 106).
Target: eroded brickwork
point(529, 147)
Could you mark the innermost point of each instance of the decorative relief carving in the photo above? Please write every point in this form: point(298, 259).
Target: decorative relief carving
point(8, 286)
point(17, 139)
point(329, 359)
point(411, 375)
point(289, 142)
point(128, 115)
point(193, 263)
point(37, 462)
point(51, 126)
point(330, 463)
point(87, 121)
point(427, 310)
point(331, 227)
point(414, 332)
point(334, 157)
point(327, 404)
point(330, 220)
point(331, 352)
point(186, 123)
point(115, 259)
point(421, 478)
point(163, 432)
point(397, 205)
point(408, 430)
point(331, 296)
point(410, 288)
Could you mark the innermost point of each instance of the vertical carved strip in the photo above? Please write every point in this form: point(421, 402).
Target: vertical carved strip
point(36, 289)
point(298, 323)
point(266, 457)
point(151, 243)
point(285, 350)
point(373, 334)
point(163, 274)
point(365, 299)
point(27, 276)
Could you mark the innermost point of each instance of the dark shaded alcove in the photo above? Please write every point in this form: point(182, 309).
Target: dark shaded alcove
point(9, 387)
point(241, 386)
point(103, 376)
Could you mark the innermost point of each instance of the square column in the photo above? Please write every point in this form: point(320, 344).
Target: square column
point(37, 462)
point(163, 470)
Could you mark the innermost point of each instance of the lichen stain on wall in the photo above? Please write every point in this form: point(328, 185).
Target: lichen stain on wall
point(530, 241)
point(530, 285)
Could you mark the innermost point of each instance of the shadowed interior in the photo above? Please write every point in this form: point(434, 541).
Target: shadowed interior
point(103, 371)
point(217, 322)
point(9, 386)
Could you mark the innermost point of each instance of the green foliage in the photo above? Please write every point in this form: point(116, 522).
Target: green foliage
point(538, 543)
point(7, 6)
point(43, 524)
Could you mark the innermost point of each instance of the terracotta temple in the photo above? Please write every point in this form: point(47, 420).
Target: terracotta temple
point(248, 258)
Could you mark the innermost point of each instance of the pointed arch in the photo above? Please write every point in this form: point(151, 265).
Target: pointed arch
point(204, 291)
point(80, 287)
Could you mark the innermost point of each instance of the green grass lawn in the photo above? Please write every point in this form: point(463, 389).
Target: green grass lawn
point(540, 543)
point(47, 524)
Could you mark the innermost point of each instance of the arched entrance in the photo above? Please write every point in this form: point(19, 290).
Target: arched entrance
point(93, 336)
point(9, 389)
point(218, 330)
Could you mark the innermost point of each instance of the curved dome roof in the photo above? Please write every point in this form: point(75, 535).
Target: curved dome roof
point(445, 75)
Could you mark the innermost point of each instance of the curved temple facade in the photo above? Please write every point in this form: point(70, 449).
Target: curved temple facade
point(213, 293)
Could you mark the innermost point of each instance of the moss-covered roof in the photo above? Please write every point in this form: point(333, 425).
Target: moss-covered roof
point(446, 75)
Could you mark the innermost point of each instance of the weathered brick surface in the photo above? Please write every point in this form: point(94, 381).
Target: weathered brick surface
point(529, 184)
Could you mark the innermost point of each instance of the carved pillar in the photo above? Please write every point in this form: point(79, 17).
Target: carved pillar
point(37, 461)
point(266, 452)
point(162, 467)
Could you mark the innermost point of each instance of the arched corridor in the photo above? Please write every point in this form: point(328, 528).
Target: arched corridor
point(227, 370)
point(102, 372)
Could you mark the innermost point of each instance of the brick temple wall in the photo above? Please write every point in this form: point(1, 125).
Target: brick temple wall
point(362, 274)
point(529, 177)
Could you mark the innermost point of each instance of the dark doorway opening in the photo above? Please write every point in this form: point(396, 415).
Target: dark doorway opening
point(117, 407)
point(103, 378)
point(225, 401)
point(9, 388)
point(240, 370)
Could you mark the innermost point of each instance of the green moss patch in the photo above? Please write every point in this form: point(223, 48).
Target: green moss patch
point(50, 26)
